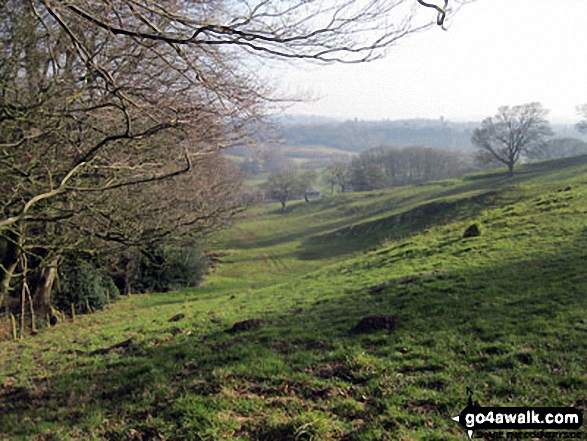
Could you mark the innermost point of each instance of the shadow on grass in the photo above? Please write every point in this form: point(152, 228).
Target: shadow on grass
point(555, 170)
point(168, 386)
point(367, 235)
point(319, 243)
point(529, 171)
point(520, 298)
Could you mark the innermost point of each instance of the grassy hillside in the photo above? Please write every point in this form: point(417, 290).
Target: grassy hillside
point(504, 313)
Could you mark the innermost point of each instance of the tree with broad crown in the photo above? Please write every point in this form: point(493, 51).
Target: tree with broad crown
point(337, 175)
point(284, 186)
point(512, 132)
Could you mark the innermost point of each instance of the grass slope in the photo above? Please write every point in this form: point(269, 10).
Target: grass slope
point(505, 313)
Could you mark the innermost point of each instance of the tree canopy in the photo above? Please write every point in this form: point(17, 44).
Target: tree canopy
point(511, 133)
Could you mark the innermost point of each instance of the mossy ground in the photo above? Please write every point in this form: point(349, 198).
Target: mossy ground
point(505, 314)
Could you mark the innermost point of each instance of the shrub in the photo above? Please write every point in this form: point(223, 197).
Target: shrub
point(84, 286)
point(171, 268)
point(185, 267)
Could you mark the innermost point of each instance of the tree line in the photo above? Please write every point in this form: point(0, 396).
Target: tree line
point(384, 167)
point(373, 169)
point(515, 133)
point(109, 157)
point(113, 116)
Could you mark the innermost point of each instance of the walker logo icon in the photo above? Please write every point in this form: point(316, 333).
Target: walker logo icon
point(475, 417)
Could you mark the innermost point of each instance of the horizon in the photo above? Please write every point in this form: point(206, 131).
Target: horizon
point(310, 117)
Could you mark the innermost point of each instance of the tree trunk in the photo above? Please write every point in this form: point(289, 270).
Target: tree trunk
point(510, 168)
point(6, 279)
point(9, 260)
point(43, 288)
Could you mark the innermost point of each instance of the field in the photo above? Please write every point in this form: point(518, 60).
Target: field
point(504, 313)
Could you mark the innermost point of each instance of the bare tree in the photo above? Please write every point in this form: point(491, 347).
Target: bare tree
point(101, 98)
point(175, 213)
point(337, 175)
point(512, 132)
point(367, 174)
point(326, 31)
point(284, 186)
point(123, 65)
point(80, 124)
point(307, 180)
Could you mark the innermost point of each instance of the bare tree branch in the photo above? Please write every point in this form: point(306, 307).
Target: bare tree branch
point(40, 197)
point(512, 132)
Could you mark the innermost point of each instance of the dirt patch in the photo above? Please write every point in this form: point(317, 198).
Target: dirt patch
point(291, 389)
point(73, 352)
point(126, 346)
point(472, 231)
point(375, 323)
point(217, 258)
point(317, 345)
point(246, 325)
point(176, 318)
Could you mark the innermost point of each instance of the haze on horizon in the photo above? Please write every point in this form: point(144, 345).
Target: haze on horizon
point(496, 52)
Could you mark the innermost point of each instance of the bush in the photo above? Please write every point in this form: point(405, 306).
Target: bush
point(172, 268)
point(185, 267)
point(84, 286)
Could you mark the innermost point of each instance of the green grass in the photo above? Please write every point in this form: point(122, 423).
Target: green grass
point(506, 314)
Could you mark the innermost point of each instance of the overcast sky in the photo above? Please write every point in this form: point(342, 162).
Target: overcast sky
point(496, 52)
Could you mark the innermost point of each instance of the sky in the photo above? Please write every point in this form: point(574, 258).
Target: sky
point(495, 53)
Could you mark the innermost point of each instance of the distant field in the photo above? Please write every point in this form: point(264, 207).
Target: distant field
point(316, 152)
point(504, 313)
point(302, 155)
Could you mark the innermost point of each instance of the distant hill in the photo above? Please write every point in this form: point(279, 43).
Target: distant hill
point(316, 141)
point(357, 136)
